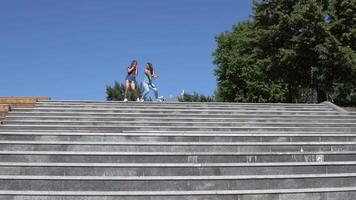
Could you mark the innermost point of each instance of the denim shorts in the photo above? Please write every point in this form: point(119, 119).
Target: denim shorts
point(131, 78)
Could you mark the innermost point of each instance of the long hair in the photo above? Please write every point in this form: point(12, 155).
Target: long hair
point(133, 63)
point(150, 68)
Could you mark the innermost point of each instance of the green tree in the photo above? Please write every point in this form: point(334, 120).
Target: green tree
point(195, 97)
point(292, 50)
point(240, 77)
point(287, 32)
point(117, 92)
point(342, 15)
point(295, 37)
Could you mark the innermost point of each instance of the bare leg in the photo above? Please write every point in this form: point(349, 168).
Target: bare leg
point(133, 88)
point(127, 86)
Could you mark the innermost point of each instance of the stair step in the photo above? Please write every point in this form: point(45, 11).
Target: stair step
point(280, 194)
point(177, 119)
point(175, 157)
point(187, 123)
point(101, 143)
point(201, 115)
point(178, 183)
point(178, 137)
point(169, 106)
point(175, 111)
point(177, 146)
point(115, 150)
point(330, 193)
point(173, 169)
point(91, 128)
point(169, 103)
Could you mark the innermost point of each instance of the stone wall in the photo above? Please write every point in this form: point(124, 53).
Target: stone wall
point(350, 109)
point(6, 103)
point(4, 108)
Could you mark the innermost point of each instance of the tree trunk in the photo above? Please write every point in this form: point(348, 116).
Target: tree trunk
point(321, 95)
point(290, 95)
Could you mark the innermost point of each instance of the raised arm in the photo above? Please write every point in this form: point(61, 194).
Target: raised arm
point(131, 69)
point(155, 75)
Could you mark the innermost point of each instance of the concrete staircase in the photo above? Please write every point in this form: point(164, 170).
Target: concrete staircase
point(112, 150)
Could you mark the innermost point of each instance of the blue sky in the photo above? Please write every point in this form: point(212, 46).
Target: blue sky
point(72, 49)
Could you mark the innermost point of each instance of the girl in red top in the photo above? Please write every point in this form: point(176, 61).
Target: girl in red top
point(130, 81)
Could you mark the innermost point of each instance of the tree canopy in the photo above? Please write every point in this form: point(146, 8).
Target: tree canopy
point(117, 92)
point(195, 97)
point(290, 51)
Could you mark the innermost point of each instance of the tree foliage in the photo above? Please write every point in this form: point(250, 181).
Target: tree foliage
point(292, 51)
point(195, 97)
point(342, 15)
point(240, 77)
point(117, 92)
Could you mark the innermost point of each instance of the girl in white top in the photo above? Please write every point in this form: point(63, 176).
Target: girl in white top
point(148, 85)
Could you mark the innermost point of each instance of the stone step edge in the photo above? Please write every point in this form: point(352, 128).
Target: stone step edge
point(31, 117)
point(203, 108)
point(90, 102)
point(334, 107)
point(327, 143)
point(171, 122)
point(175, 127)
point(185, 108)
point(109, 102)
point(201, 104)
point(163, 134)
point(109, 153)
point(177, 114)
point(171, 110)
point(176, 165)
point(175, 178)
point(266, 132)
point(216, 132)
point(176, 193)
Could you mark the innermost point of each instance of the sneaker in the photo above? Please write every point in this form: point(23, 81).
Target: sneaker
point(161, 99)
point(142, 100)
point(125, 100)
point(138, 99)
